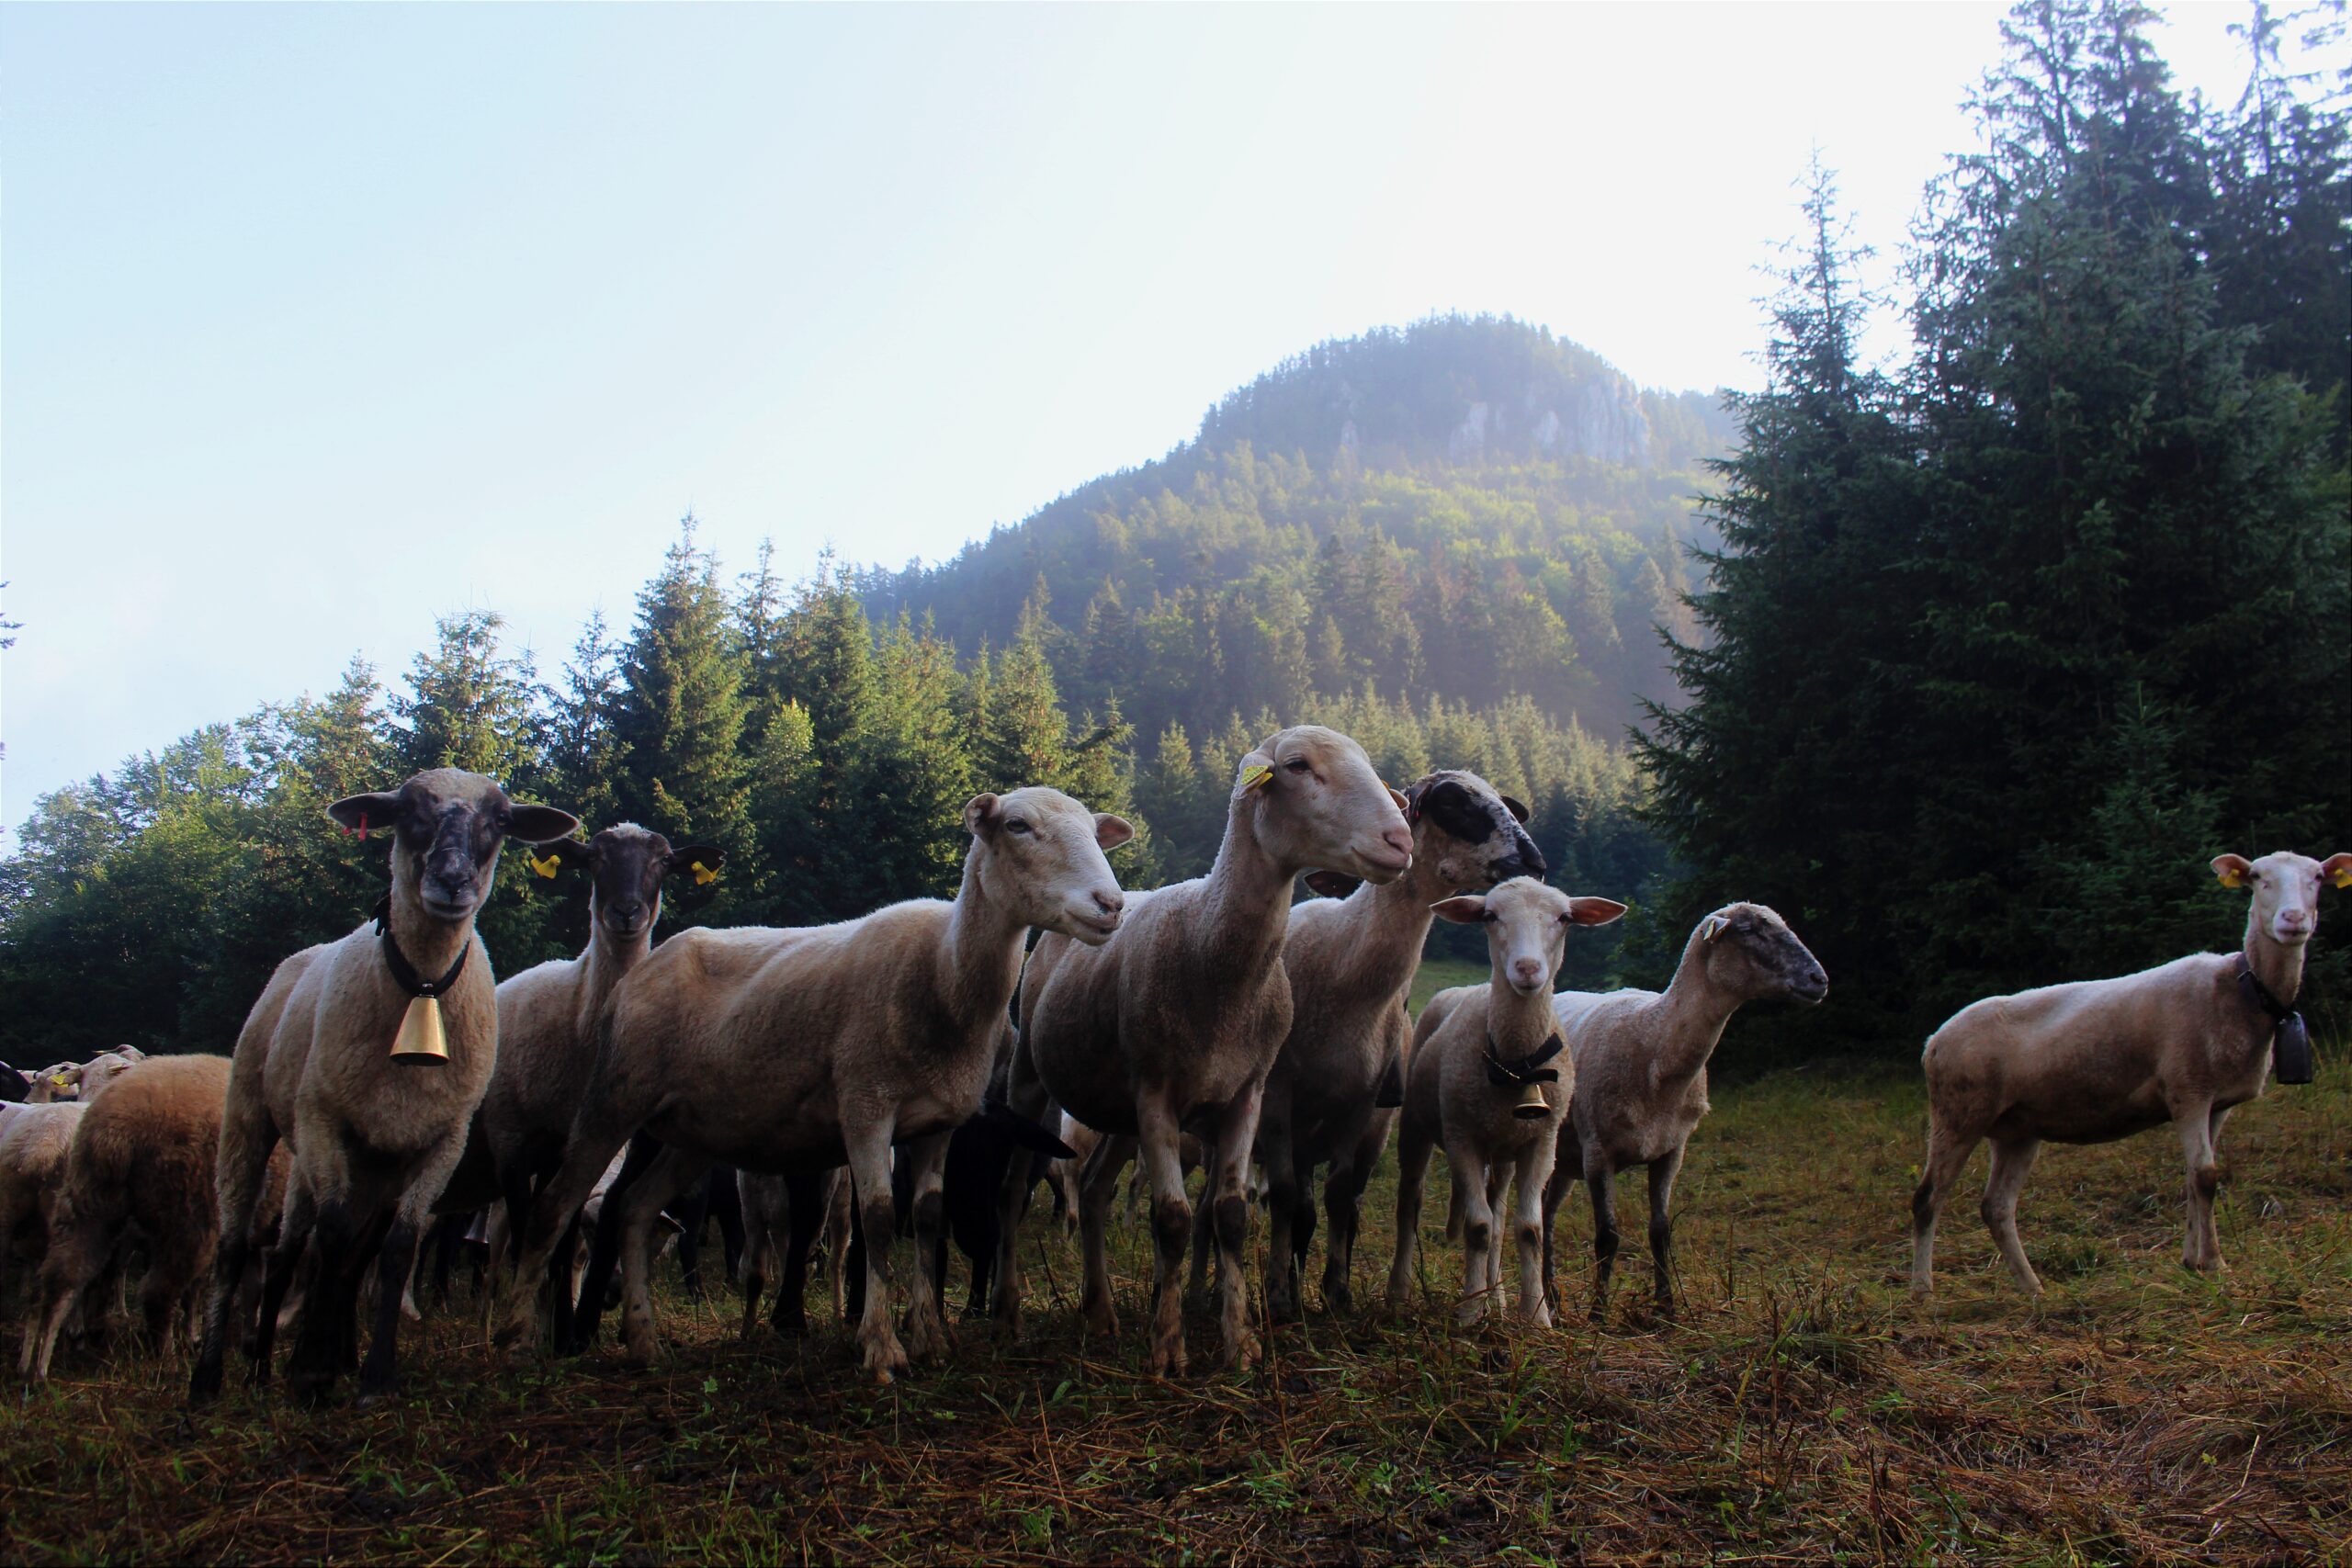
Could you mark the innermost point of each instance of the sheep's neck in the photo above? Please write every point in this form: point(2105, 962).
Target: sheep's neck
point(430, 945)
point(979, 952)
point(1385, 930)
point(1692, 1013)
point(609, 958)
point(1245, 902)
point(2275, 963)
point(1519, 1025)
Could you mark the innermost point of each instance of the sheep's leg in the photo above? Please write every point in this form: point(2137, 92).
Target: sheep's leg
point(2202, 1250)
point(294, 1228)
point(563, 1285)
point(318, 1336)
point(380, 1376)
point(1469, 1173)
point(1662, 1173)
point(1601, 1183)
point(1161, 1140)
point(247, 1140)
point(1534, 1169)
point(1343, 1209)
point(869, 1171)
point(1237, 1136)
point(926, 1325)
point(1567, 1164)
point(1412, 1174)
point(836, 1206)
point(753, 1275)
point(1096, 1184)
point(594, 1292)
point(671, 1172)
point(1498, 1188)
point(559, 1198)
point(1948, 1153)
point(1196, 1284)
point(1025, 1093)
point(1278, 1157)
point(2012, 1158)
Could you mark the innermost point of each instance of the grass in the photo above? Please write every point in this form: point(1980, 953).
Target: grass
point(1802, 1408)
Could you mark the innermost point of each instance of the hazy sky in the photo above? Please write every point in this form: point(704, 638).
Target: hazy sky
point(317, 322)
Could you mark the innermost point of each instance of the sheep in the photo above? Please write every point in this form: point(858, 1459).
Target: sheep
point(794, 1209)
point(33, 1145)
point(1642, 1074)
point(374, 1140)
point(65, 1082)
point(141, 1165)
point(772, 1049)
point(1180, 1017)
point(550, 1016)
point(57, 1084)
point(1350, 960)
point(1490, 1083)
point(2092, 1061)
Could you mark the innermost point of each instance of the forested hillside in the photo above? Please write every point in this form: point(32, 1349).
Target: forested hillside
point(1467, 508)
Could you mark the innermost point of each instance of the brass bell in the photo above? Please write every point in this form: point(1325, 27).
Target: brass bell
point(421, 1042)
point(1532, 1106)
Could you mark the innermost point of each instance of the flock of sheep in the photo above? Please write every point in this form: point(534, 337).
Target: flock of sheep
point(387, 1080)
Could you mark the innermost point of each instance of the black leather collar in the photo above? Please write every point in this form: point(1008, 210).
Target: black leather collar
point(1528, 1069)
point(404, 974)
point(2250, 985)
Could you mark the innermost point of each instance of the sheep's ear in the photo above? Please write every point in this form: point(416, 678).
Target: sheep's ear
point(1590, 911)
point(1397, 795)
point(1516, 808)
point(563, 854)
point(1111, 831)
point(1713, 927)
point(1462, 910)
point(1330, 883)
point(982, 814)
point(1256, 770)
point(361, 812)
point(540, 824)
point(2232, 870)
point(700, 861)
point(2336, 869)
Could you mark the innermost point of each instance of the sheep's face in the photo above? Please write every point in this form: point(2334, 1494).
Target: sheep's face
point(1319, 802)
point(1040, 855)
point(2285, 890)
point(1527, 927)
point(1751, 952)
point(1468, 832)
point(447, 826)
point(627, 865)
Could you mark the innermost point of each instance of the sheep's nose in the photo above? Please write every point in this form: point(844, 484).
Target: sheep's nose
point(1527, 970)
point(1399, 838)
point(1110, 902)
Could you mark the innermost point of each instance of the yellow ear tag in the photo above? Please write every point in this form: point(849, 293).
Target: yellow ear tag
point(2232, 879)
point(1255, 777)
point(546, 865)
point(703, 874)
point(2343, 877)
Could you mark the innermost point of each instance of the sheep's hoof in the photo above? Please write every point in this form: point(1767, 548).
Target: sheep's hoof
point(928, 1335)
point(1240, 1353)
point(1473, 1310)
point(1167, 1359)
point(1099, 1317)
point(1337, 1297)
point(885, 1357)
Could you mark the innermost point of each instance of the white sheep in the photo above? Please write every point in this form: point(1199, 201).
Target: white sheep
point(1490, 1082)
point(775, 1049)
point(1351, 962)
point(551, 1016)
point(374, 1139)
point(1178, 1019)
point(1642, 1073)
point(2091, 1061)
point(33, 1144)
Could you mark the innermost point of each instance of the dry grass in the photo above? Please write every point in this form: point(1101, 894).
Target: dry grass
point(1801, 1408)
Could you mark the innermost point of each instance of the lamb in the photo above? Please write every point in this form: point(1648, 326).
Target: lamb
point(550, 1017)
point(772, 1050)
point(1180, 1017)
point(1350, 960)
point(1489, 1083)
point(141, 1165)
point(374, 1139)
point(2092, 1061)
point(1642, 1073)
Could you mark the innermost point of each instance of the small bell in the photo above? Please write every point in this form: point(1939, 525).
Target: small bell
point(420, 1042)
point(1532, 1106)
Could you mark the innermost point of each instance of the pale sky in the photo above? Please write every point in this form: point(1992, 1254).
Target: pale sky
point(317, 322)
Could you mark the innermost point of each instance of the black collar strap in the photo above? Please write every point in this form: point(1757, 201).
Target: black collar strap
point(2251, 986)
point(404, 974)
point(1528, 1069)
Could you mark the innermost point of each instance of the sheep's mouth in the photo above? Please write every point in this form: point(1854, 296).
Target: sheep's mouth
point(1098, 928)
point(1383, 868)
point(445, 908)
point(1810, 993)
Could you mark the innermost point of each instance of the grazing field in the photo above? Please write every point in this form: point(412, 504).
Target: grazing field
point(1800, 1409)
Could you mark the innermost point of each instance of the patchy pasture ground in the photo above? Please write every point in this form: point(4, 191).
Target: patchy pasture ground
point(1801, 1408)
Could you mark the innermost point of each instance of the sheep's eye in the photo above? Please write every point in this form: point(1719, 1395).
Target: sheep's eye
point(1488, 918)
point(1016, 825)
point(1298, 764)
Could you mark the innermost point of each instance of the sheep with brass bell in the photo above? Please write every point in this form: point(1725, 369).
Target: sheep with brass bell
point(1489, 1081)
point(368, 1056)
